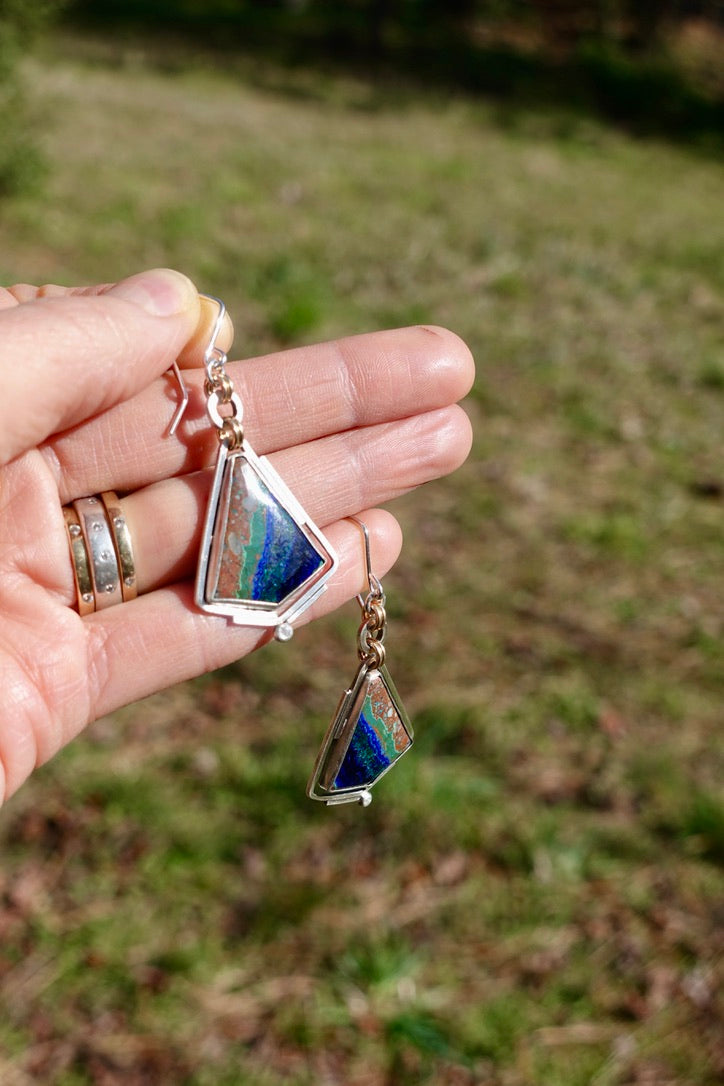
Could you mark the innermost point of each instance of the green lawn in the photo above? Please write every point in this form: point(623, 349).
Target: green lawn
point(537, 899)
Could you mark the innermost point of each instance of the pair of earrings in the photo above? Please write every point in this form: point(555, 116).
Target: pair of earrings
point(263, 562)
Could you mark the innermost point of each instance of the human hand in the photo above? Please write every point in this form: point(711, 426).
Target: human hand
point(85, 407)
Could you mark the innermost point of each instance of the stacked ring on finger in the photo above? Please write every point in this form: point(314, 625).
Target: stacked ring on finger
point(101, 552)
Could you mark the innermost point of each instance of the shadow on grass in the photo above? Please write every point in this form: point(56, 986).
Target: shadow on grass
point(645, 95)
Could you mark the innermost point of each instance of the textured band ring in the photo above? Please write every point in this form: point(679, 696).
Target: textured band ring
point(79, 560)
point(104, 564)
point(123, 545)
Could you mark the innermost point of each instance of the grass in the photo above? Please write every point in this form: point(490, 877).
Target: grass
point(537, 899)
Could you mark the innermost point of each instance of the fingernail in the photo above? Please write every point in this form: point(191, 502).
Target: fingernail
point(161, 292)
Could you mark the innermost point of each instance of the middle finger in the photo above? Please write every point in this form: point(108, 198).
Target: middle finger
point(290, 398)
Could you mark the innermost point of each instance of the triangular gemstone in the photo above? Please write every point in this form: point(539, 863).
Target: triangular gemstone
point(261, 555)
point(372, 738)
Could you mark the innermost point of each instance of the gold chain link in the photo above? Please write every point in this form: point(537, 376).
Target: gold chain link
point(219, 390)
point(219, 383)
point(231, 434)
point(372, 630)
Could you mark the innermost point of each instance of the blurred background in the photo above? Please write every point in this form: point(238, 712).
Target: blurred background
point(537, 895)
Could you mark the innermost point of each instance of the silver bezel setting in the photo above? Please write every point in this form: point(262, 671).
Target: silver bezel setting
point(249, 613)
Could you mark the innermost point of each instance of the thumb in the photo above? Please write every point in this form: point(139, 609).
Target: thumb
point(65, 359)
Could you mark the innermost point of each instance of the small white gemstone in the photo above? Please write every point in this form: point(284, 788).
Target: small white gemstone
point(105, 556)
point(97, 526)
point(129, 581)
point(74, 529)
point(110, 588)
point(284, 631)
point(118, 521)
point(87, 597)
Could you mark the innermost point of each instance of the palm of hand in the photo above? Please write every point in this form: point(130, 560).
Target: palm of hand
point(45, 673)
point(348, 425)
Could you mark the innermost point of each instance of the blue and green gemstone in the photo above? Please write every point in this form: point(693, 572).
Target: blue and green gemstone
point(264, 556)
point(379, 736)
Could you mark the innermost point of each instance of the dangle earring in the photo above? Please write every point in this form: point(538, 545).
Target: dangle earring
point(370, 730)
point(262, 560)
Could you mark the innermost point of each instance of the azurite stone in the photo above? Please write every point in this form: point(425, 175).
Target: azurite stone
point(264, 555)
point(378, 740)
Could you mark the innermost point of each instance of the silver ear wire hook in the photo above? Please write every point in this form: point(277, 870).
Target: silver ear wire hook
point(183, 390)
point(374, 584)
point(213, 355)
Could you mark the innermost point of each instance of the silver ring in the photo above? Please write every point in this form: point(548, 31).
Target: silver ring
point(104, 565)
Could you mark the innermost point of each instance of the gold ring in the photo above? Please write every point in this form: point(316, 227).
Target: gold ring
point(79, 560)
